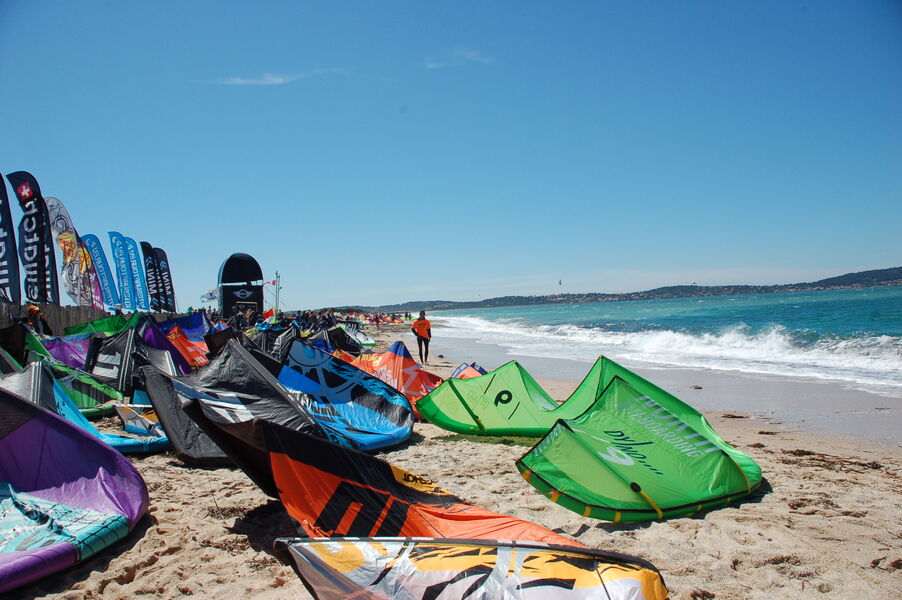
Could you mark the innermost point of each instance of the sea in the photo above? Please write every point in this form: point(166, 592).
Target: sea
point(850, 337)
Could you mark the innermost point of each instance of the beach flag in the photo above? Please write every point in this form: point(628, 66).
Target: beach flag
point(152, 275)
point(10, 288)
point(164, 275)
point(102, 268)
point(123, 271)
point(79, 276)
point(136, 270)
point(35, 240)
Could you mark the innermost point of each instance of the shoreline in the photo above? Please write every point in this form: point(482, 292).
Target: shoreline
point(807, 405)
point(827, 504)
point(826, 522)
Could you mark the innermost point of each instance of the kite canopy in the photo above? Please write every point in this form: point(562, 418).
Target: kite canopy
point(8, 364)
point(194, 326)
point(64, 495)
point(333, 491)
point(37, 385)
point(274, 342)
point(638, 453)
point(508, 401)
point(92, 397)
point(422, 568)
point(107, 326)
point(336, 338)
point(353, 329)
point(22, 345)
point(70, 350)
point(397, 368)
point(467, 371)
point(232, 396)
point(216, 340)
point(191, 444)
point(371, 414)
point(154, 338)
point(194, 353)
point(114, 360)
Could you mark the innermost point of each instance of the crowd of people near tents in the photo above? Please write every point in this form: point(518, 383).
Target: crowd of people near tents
point(298, 402)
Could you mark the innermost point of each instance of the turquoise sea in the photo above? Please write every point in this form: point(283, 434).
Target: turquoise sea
point(852, 337)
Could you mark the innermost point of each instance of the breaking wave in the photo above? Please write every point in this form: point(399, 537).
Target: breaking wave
point(870, 363)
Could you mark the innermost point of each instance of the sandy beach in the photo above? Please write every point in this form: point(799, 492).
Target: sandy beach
point(826, 523)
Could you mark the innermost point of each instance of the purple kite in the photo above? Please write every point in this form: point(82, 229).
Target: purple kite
point(64, 494)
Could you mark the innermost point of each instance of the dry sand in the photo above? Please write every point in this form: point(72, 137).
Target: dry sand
point(827, 523)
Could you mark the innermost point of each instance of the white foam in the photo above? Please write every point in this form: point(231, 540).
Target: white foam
point(870, 363)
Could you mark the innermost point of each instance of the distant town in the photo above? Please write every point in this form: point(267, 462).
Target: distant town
point(874, 278)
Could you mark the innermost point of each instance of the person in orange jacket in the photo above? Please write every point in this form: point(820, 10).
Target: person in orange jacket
point(422, 328)
point(37, 321)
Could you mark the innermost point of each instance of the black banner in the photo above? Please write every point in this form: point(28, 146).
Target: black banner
point(10, 289)
point(167, 294)
point(35, 240)
point(152, 274)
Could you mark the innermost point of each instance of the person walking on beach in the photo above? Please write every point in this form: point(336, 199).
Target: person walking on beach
point(422, 328)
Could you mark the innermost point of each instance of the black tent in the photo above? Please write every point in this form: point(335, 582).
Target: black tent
point(240, 284)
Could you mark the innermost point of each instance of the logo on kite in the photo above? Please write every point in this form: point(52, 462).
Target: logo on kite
point(243, 294)
point(503, 397)
point(24, 191)
point(611, 453)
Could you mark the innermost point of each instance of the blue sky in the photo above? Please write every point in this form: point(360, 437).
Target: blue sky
point(375, 153)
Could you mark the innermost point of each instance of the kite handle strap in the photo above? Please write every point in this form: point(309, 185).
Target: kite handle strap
point(635, 487)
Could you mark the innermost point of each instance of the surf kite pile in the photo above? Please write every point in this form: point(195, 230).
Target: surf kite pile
point(298, 410)
point(619, 448)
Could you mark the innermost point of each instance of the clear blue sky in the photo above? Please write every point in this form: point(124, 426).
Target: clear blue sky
point(384, 152)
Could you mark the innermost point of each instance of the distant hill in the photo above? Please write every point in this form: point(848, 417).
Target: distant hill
point(873, 278)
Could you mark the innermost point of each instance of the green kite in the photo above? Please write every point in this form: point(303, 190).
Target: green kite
point(508, 401)
point(638, 453)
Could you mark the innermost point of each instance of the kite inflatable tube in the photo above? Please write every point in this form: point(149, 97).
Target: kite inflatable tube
point(421, 568)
